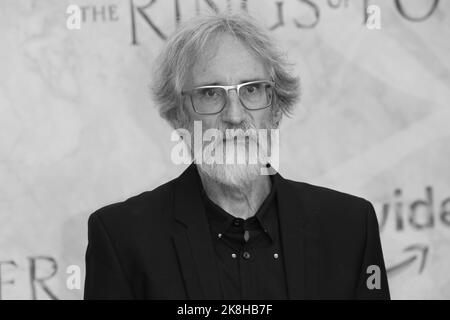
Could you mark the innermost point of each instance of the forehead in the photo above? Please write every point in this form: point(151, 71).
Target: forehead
point(227, 60)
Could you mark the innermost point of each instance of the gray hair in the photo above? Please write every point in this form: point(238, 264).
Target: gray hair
point(181, 50)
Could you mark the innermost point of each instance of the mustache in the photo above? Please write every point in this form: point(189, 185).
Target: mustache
point(246, 132)
point(241, 133)
point(240, 138)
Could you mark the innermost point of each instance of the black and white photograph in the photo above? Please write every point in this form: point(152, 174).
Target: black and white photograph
point(224, 150)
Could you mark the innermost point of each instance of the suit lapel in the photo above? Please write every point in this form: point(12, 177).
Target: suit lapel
point(192, 238)
point(299, 238)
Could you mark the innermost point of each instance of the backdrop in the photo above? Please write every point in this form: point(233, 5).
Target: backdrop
point(79, 129)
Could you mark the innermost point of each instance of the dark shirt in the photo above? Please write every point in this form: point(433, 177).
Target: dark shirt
point(248, 252)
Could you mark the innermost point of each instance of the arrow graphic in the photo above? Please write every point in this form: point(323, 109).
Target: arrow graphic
point(421, 254)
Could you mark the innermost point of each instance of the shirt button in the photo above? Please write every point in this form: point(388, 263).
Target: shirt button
point(233, 255)
point(237, 222)
point(246, 255)
point(275, 255)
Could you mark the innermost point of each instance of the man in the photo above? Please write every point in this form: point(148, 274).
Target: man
point(226, 230)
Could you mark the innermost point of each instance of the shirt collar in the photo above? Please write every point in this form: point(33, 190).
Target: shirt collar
point(220, 220)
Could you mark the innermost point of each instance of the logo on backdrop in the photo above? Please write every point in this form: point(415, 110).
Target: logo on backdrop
point(421, 215)
point(308, 14)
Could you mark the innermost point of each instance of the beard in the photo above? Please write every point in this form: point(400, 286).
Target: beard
point(225, 169)
point(234, 162)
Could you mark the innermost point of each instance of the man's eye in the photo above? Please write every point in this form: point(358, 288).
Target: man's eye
point(209, 93)
point(251, 89)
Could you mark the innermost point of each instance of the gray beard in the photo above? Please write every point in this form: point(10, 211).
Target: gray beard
point(238, 176)
point(233, 175)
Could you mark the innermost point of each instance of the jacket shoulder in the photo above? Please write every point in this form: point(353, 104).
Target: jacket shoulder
point(146, 206)
point(324, 192)
point(334, 205)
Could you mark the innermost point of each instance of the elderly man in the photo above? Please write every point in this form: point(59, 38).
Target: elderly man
point(227, 230)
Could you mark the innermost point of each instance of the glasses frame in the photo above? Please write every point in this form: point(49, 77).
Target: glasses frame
point(236, 87)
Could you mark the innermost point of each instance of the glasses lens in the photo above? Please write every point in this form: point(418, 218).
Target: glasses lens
point(208, 100)
point(256, 95)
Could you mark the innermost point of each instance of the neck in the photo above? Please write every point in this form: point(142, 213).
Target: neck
point(241, 202)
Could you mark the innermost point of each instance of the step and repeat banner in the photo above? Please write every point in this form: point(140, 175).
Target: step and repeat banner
point(79, 129)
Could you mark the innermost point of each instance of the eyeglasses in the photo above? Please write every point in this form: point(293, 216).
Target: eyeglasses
point(254, 95)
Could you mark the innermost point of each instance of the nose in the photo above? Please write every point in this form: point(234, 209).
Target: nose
point(234, 112)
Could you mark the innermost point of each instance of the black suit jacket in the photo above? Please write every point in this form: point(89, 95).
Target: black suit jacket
point(157, 245)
